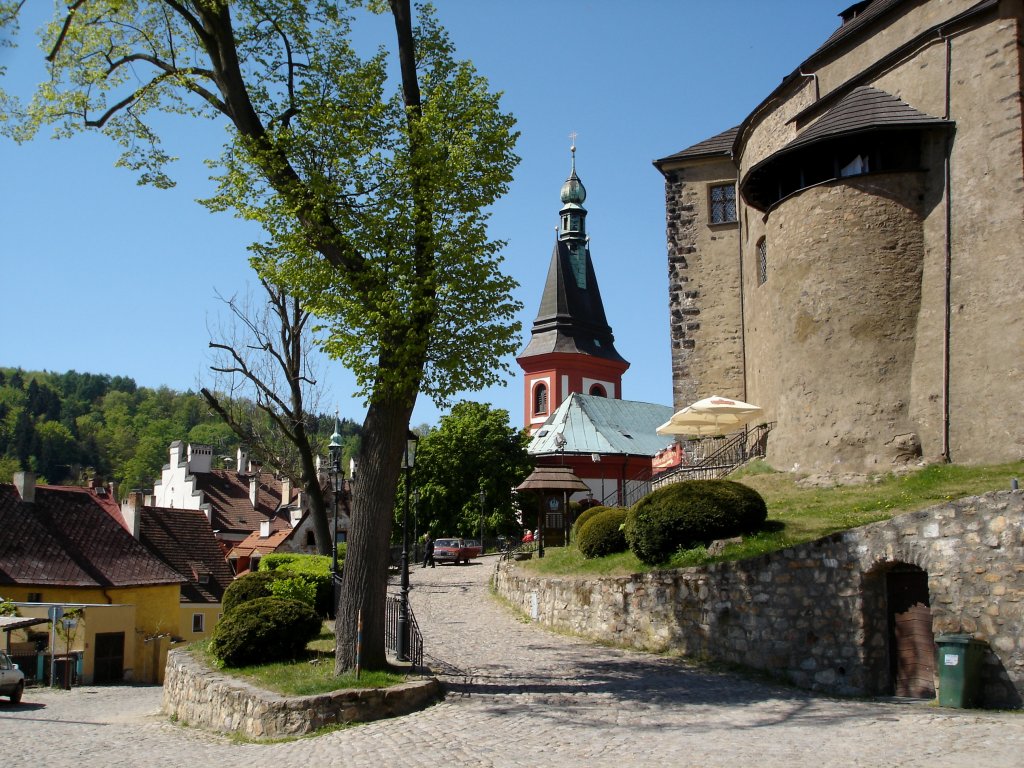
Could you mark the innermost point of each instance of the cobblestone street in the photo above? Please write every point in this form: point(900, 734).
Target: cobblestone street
point(521, 696)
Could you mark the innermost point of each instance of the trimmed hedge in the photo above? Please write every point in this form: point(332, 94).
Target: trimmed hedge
point(249, 587)
point(683, 515)
point(586, 515)
point(310, 569)
point(264, 630)
point(601, 534)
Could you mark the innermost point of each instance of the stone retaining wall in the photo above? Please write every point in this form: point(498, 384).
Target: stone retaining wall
point(815, 614)
point(200, 696)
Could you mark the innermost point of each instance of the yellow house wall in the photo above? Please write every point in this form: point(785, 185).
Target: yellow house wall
point(211, 615)
point(148, 616)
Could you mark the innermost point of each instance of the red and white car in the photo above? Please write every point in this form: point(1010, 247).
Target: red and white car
point(454, 551)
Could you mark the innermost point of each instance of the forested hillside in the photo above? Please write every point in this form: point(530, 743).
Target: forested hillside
point(69, 427)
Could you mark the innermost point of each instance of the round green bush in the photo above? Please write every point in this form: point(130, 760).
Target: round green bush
point(585, 515)
point(264, 630)
point(683, 515)
point(249, 587)
point(602, 534)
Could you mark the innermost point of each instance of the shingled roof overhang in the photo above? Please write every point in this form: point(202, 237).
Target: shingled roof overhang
point(717, 146)
point(862, 25)
point(551, 479)
point(863, 111)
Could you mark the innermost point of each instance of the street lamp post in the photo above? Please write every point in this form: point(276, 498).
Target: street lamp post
point(408, 461)
point(337, 474)
point(483, 498)
point(415, 525)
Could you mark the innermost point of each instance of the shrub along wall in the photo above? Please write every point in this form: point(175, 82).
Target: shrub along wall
point(816, 614)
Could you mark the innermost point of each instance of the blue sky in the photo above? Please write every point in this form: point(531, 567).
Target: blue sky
point(104, 276)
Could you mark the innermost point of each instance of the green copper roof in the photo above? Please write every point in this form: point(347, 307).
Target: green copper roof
point(591, 424)
point(573, 190)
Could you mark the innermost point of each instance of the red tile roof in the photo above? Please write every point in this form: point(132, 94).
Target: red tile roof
point(227, 493)
point(184, 540)
point(254, 544)
point(67, 539)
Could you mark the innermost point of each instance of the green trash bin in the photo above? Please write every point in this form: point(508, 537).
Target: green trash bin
point(959, 662)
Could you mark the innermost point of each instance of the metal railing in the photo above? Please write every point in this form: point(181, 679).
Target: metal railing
point(723, 459)
point(414, 646)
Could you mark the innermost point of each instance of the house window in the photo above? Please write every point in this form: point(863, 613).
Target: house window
point(540, 399)
point(762, 261)
point(197, 622)
point(598, 391)
point(35, 597)
point(723, 203)
point(310, 539)
point(204, 578)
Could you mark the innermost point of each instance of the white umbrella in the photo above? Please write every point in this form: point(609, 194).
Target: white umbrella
point(711, 416)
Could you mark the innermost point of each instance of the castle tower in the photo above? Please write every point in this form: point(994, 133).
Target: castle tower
point(571, 347)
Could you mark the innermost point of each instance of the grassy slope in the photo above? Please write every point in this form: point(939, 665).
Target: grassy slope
point(798, 514)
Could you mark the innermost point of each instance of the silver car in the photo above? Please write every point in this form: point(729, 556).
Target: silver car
point(12, 679)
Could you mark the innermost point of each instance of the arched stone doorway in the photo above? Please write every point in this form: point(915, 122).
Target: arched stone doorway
point(900, 645)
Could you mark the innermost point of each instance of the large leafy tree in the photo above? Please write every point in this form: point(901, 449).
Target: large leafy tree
point(474, 449)
point(372, 196)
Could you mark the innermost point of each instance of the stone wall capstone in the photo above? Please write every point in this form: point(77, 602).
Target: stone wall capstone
point(814, 614)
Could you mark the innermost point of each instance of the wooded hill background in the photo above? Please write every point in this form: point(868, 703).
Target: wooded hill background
point(70, 427)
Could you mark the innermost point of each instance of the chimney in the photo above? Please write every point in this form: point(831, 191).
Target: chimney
point(286, 491)
point(131, 511)
point(254, 489)
point(242, 461)
point(25, 483)
point(112, 487)
point(200, 458)
point(265, 529)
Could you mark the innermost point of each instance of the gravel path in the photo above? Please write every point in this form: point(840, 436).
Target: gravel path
point(521, 696)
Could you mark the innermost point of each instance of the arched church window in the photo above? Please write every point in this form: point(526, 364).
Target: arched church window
point(598, 391)
point(540, 399)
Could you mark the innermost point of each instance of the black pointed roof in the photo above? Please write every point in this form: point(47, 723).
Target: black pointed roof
point(571, 316)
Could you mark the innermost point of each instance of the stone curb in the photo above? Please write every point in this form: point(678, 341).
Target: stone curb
point(199, 696)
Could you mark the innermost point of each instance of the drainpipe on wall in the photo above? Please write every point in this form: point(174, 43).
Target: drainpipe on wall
point(947, 299)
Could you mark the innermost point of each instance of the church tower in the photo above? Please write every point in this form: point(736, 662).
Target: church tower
point(571, 347)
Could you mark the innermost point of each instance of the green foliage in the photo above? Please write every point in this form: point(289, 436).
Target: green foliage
point(296, 563)
point(251, 586)
point(8, 608)
point(67, 427)
point(303, 576)
point(474, 448)
point(682, 515)
point(585, 515)
point(299, 587)
point(601, 534)
point(264, 630)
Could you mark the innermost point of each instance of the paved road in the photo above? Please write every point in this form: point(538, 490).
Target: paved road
point(521, 697)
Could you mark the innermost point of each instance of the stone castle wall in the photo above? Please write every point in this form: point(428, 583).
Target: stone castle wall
point(831, 334)
point(814, 614)
point(853, 369)
point(703, 279)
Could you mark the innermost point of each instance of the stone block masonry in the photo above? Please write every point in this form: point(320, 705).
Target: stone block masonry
point(202, 697)
point(816, 614)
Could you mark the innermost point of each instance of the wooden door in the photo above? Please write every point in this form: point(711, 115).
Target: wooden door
point(109, 664)
point(911, 642)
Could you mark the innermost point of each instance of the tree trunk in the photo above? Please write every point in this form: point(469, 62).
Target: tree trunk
point(365, 575)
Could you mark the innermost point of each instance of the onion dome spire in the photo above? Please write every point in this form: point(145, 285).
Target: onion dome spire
point(573, 224)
